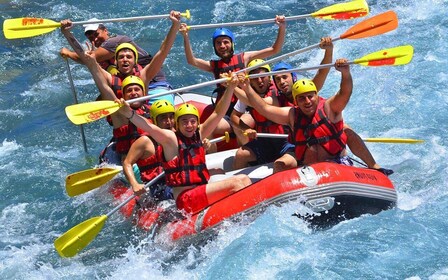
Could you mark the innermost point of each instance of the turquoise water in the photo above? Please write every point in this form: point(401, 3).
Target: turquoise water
point(39, 147)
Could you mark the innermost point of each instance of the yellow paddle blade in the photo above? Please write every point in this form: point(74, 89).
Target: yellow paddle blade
point(349, 10)
point(394, 56)
point(87, 180)
point(91, 111)
point(17, 28)
point(394, 140)
point(78, 237)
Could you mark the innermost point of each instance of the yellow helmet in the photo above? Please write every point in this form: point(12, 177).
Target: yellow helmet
point(133, 80)
point(126, 46)
point(186, 109)
point(160, 107)
point(302, 86)
point(258, 62)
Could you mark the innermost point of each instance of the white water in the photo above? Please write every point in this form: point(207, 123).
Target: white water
point(39, 147)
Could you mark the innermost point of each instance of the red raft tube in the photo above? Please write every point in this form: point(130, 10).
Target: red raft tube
point(332, 192)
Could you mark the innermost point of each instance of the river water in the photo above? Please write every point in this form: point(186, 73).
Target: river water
point(39, 146)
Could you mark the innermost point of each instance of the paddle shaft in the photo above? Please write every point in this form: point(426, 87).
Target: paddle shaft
point(240, 23)
point(57, 24)
point(354, 31)
point(147, 185)
point(222, 80)
point(75, 96)
point(330, 10)
point(358, 31)
point(283, 56)
point(373, 140)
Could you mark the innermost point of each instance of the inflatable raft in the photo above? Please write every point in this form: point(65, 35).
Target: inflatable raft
point(331, 192)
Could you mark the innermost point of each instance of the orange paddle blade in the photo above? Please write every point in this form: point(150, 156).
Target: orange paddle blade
point(373, 26)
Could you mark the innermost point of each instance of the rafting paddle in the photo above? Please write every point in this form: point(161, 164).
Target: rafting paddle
point(75, 96)
point(79, 236)
point(375, 140)
point(92, 111)
point(373, 26)
point(17, 28)
point(341, 11)
point(87, 180)
point(388, 57)
point(90, 179)
point(370, 27)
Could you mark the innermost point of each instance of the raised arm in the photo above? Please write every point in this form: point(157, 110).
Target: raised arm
point(191, 59)
point(276, 47)
point(154, 67)
point(89, 60)
point(276, 114)
point(321, 75)
point(164, 137)
point(336, 104)
point(212, 121)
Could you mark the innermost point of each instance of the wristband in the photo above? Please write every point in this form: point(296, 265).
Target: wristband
point(132, 115)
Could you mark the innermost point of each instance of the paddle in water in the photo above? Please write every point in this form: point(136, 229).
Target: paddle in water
point(78, 237)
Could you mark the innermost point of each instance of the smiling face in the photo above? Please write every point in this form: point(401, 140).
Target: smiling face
point(187, 125)
point(284, 83)
point(133, 91)
point(98, 36)
point(223, 47)
point(307, 103)
point(125, 61)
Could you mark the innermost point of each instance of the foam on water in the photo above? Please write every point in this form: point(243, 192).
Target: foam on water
point(40, 147)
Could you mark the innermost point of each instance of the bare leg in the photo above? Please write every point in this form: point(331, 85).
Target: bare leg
point(359, 148)
point(220, 189)
point(285, 162)
point(242, 158)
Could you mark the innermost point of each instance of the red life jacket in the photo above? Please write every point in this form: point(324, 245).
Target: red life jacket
point(151, 166)
point(125, 135)
point(283, 101)
point(318, 131)
point(116, 85)
point(264, 125)
point(235, 63)
point(106, 63)
point(118, 79)
point(188, 168)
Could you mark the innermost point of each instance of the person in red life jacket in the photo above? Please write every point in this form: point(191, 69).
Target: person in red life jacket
point(261, 150)
point(126, 56)
point(224, 46)
point(148, 154)
point(103, 45)
point(316, 122)
point(184, 155)
point(284, 83)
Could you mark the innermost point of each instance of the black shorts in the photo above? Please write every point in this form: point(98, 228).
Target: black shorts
point(268, 149)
